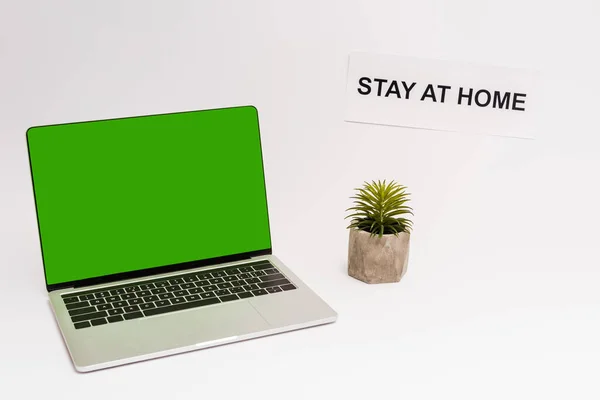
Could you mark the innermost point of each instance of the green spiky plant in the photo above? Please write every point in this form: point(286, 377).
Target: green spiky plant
point(380, 208)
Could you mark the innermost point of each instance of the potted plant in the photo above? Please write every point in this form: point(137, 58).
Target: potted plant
point(379, 232)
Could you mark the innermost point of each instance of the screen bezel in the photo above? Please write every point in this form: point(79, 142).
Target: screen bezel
point(159, 269)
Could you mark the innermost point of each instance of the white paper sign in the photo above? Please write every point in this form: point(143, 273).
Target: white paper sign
point(441, 95)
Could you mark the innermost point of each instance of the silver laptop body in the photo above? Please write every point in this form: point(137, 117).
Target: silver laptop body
point(140, 339)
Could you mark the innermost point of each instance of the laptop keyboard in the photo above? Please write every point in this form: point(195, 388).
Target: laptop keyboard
point(174, 293)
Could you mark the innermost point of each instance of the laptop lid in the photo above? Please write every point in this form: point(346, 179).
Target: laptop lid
point(130, 197)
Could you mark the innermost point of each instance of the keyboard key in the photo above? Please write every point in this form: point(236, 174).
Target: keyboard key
point(164, 296)
point(132, 289)
point(246, 269)
point(113, 298)
point(102, 295)
point(143, 293)
point(204, 276)
point(257, 273)
point(115, 311)
point(216, 280)
point(271, 277)
point(193, 297)
point(233, 271)
point(86, 297)
point(130, 309)
point(288, 287)
point(84, 324)
point(230, 278)
point(274, 289)
point(162, 284)
point(259, 292)
point(245, 295)
point(151, 298)
point(187, 286)
point(249, 288)
point(244, 276)
point(207, 295)
point(182, 306)
point(68, 300)
point(222, 292)
point(104, 307)
point(190, 278)
point(180, 293)
point(274, 283)
point(224, 285)
point(230, 297)
point(99, 321)
point(133, 315)
point(95, 302)
point(252, 280)
point(133, 302)
point(163, 303)
point(81, 304)
point(115, 318)
point(202, 283)
point(85, 317)
point(219, 274)
point(147, 306)
point(175, 281)
point(195, 290)
point(159, 291)
point(118, 304)
point(262, 267)
point(271, 271)
point(116, 292)
point(178, 300)
point(238, 283)
point(173, 288)
point(236, 289)
point(147, 286)
point(210, 288)
point(79, 311)
point(128, 296)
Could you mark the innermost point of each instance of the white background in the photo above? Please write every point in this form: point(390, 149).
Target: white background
point(501, 297)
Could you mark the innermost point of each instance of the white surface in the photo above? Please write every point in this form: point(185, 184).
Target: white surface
point(414, 92)
point(501, 295)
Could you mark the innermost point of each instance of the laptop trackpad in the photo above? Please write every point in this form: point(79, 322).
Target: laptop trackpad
point(212, 323)
point(229, 319)
point(291, 308)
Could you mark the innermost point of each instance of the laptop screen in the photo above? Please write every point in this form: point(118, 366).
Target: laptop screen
point(123, 195)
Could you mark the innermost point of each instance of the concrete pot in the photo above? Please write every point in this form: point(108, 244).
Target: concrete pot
point(375, 259)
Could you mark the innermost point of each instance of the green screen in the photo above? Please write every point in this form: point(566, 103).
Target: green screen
point(127, 194)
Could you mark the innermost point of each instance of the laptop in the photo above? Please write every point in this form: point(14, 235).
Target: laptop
point(155, 236)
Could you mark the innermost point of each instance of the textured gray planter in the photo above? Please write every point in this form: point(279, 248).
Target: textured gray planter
point(375, 259)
